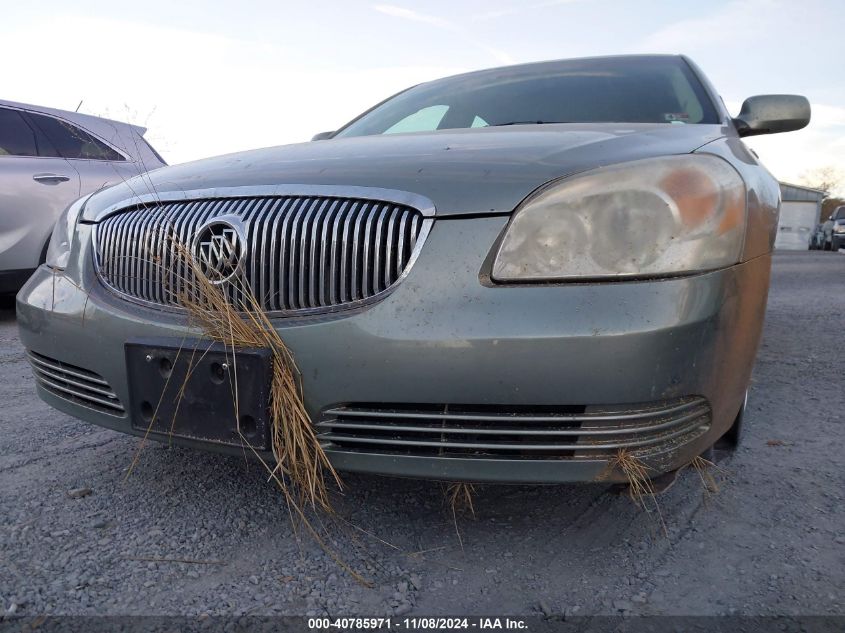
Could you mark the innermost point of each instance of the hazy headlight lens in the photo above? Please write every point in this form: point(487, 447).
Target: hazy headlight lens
point(650, 217)
point(839, 228)
point(58, 251)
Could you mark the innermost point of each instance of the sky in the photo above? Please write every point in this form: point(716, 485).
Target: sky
point(208, 77)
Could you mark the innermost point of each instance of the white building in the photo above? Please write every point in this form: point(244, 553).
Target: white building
point(799, 215)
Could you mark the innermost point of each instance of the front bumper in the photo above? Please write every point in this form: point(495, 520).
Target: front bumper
point(443, 337)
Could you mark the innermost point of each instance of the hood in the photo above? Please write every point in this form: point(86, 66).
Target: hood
point(469, 171)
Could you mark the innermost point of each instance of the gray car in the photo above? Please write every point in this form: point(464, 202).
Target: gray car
point(48, 158)
point(833, 231)
point(507, 275)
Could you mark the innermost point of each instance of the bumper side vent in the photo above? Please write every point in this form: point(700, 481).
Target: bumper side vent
point(584, 432)
point(75, 384)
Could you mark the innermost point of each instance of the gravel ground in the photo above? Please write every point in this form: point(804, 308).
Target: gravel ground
point(772, 541)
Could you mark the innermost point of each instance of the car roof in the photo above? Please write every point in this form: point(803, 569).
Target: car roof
point(567, 60)
point(100, 126)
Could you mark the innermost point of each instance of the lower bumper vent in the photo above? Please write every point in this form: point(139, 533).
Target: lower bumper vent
point(520, 432)
point(75, 384)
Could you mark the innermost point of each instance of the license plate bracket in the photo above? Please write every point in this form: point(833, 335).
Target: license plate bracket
point(186, 389)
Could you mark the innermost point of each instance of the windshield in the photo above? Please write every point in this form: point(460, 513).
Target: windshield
point(608, 90)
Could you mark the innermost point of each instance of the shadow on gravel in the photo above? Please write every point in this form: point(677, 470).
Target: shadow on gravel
point(406, 521)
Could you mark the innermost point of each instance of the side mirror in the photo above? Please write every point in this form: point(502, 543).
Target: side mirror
point(322, 136)
point(771, 114)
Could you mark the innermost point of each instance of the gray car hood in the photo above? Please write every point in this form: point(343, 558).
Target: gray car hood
point(487, 170)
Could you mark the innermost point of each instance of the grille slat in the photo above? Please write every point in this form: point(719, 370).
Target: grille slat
point(520, 447)
point(78, 373)
point(74, 384)
point(346, 250)
point(305, 253)
point(623, 416)
point(378, 256)
point(356, 252)
point(463, 430)
point(138, 259)
point(300, 245)
point(123, 259)
point(334, 265)
point(367, 246)
point(156, 265)
point(552, 431)
point(316, 253)
point(389, 265)
point(271, 283)
point(400, 242)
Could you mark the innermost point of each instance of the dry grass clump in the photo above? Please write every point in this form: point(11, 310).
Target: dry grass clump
point(459, 496)
point(301, 465)
point(244, 324)
point(705, 468)
point(640, 487)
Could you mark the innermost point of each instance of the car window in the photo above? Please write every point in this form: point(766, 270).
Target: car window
point(840, 214)
point(423, 120)
point(600, 90)
point(71, 141)
point(16, 137)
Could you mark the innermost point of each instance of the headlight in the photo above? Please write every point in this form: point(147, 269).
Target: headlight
point(839, 228)
point(58, 252)
point(650, 217)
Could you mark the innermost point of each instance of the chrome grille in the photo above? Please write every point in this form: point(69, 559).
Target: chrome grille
point(75, 384)
point(304, 253)
point(524, 432)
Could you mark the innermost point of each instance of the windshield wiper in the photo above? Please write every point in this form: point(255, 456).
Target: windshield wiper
point(527, 123)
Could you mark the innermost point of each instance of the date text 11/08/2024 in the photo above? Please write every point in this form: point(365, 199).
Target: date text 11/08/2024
point(422, 623)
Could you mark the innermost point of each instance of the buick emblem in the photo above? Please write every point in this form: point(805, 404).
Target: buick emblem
point(219, 249)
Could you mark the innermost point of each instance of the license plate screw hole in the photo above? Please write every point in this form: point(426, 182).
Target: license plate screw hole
point(218, 372)
point(147, 411)
point(165, 367)
point(247, 425)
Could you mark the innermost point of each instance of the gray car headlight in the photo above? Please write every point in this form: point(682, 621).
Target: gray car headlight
point(661, 216)
point(58, 251)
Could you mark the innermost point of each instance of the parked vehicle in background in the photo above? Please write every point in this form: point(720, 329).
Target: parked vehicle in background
point(799, 213)
point(817, 237)
point(48, 158)
point(834, 230)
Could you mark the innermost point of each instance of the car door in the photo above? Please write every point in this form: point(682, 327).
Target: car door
point(36, 184)
point(98, 163)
